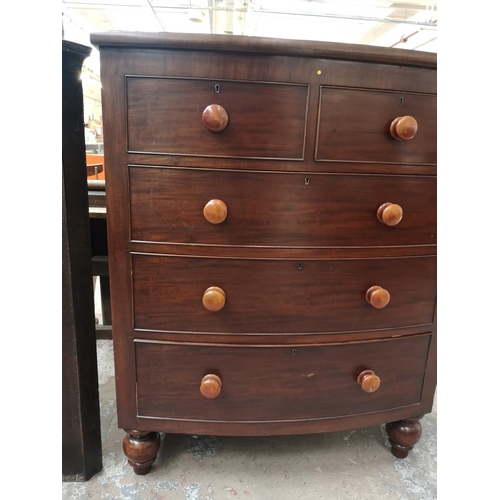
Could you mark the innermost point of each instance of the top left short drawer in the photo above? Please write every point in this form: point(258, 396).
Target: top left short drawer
point(264, 120)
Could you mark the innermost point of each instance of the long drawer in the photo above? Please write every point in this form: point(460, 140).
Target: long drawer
point(257, 383)
point(263, 120)
point(279, 296)
point(279, 209)
point(354, 125)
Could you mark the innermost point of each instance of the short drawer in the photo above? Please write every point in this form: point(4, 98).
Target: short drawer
point(261, 296)
point(256, 383)
point(279, 209)
point(264, 120)
point(354, 125)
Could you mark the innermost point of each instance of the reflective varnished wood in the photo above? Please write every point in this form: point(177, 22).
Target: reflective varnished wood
point(366, 119)
point(215, 118)
point(170, 117)
point(404, 435)
point(369, 381)
point(263, 383)
point(275, 223)
point(211, 386)
point(404, 128)
point(214, 298)
point(280, 209)
point(272, 296)
point(378, 297)
point(215, 211)
point(390, 214)
point(141, 448)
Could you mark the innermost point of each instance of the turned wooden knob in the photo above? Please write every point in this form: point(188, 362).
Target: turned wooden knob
point(214, 298)
point(215, 118)
point(210, 386)
point(368, 381)
point(404, 128)
point(378, 297)
point(215, 211)
point(390, 214)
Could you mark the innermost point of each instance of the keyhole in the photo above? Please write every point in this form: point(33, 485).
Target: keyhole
point(306, 181)
point(294, 352)
point(217, 88)
point(299, 266)
point(401, 101)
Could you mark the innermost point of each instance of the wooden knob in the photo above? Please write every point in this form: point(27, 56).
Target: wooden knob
point(368, 381)
point(210, 386)
point(214, 298)
point(215, 211)
point(390, 214)
point(404, 128)
point(378, 297)
point(215, 118)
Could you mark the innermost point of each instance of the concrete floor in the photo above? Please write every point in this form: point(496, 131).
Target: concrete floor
point(343, 465)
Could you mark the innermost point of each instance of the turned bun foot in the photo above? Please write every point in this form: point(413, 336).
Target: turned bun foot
point(404, 435)
point(141, 448)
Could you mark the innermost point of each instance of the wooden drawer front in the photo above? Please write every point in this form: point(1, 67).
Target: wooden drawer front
point(276, 296)
point(354, 126)
point(273, 383)
point(265, 120)
point(278, 209)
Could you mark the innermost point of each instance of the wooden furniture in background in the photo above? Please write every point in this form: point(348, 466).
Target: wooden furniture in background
point(272, 236)
point(94, 169)
point(98, 160)
point(99, 248)
point(81, 432)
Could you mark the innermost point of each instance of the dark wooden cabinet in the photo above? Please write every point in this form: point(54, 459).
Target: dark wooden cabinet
point(272, 236)
point(81, 424)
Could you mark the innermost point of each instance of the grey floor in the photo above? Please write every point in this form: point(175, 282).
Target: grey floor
point(343, 465)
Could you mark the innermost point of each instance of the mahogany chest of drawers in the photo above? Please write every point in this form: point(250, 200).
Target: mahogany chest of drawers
point(272, 236)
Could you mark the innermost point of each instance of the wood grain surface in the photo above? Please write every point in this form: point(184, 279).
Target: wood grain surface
point(277, 383)
point(278, 209)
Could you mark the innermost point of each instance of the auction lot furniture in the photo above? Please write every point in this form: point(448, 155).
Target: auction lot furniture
point(271, 210)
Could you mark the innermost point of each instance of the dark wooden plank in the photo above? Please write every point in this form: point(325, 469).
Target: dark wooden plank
point(280, 210)
point(117, 220)
point(286, 338)
point(81, 432)
point(278, 297)
point(349, 118)
point(264, 45)
point(278, 383)
point(265, 120)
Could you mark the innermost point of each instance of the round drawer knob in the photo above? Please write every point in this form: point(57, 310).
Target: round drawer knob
point(368, 381)
point(378, 297)
point(215, 118)
point(390, 214)
point(214, 298)
point(404, 128)
point(210, 386)
point(215, 211)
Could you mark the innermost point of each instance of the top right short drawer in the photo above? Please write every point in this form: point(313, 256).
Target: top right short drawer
point(355, 126)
